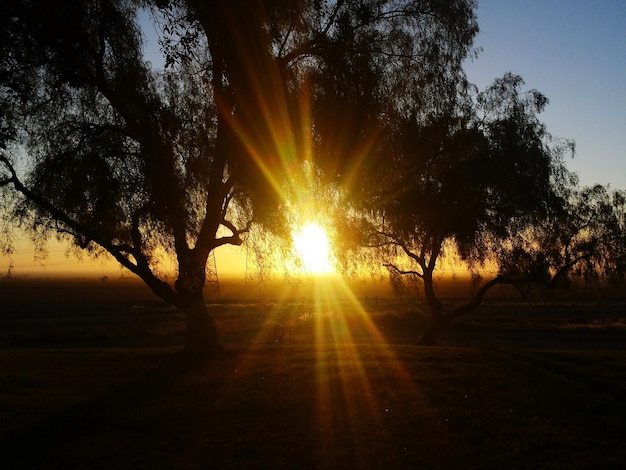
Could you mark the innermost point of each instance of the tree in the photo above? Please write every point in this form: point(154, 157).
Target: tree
point(125, 159)
point(465, 178)
point(585, 240)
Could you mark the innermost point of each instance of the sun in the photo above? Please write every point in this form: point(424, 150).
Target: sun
point(313, 248)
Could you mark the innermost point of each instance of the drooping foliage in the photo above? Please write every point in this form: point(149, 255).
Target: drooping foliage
point(115, 154)
point(481, 182)
point(584, 241)
point(469, 171)
point(464, 179)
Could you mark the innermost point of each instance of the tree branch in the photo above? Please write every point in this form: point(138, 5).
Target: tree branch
point(393, 267)
point(478, 298)
point(159, 287)
point(309, 47)
point(232, 240)
point(563, 270)
point(13, 178)
point(137, 237)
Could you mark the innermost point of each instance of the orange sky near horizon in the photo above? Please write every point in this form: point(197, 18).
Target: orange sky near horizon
point(230, 261)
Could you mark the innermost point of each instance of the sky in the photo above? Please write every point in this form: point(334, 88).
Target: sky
point(573, 51)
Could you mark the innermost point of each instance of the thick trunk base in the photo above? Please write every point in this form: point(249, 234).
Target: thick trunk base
point(431, 331)
point(201, 337)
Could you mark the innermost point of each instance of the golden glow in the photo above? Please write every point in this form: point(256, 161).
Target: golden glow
point(313, 249)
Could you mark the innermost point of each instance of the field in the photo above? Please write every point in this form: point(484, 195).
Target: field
point(93, 378)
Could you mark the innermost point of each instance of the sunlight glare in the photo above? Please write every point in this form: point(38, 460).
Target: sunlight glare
point(313, 248)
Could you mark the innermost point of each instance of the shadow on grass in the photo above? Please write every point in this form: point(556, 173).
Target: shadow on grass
point(36, 447)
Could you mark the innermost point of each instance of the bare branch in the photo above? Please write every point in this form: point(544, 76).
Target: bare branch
point(403, 272)
point(137, 237)
point(232, 240)
point(230, 226)
point(13, 178)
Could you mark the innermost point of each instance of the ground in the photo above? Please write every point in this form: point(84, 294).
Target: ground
point(146, 322)
point(93, 380)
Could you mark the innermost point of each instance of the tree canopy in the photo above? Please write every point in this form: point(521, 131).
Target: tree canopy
point(100, 148)
point(583, 241)
point(480, 180)
point(464, 180)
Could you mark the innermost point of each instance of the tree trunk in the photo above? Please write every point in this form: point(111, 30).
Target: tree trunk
point(429, 336)
point(438, 320)
point(201, 336)
point(433, 302)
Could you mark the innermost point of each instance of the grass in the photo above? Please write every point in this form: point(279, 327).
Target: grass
point(336, 403)
point(292, 406)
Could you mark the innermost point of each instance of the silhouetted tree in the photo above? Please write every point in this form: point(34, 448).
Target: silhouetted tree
point(106, 151)
point(476, 171)
point(585, 240)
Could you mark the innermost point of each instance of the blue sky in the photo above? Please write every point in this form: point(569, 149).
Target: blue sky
point(574, 52)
